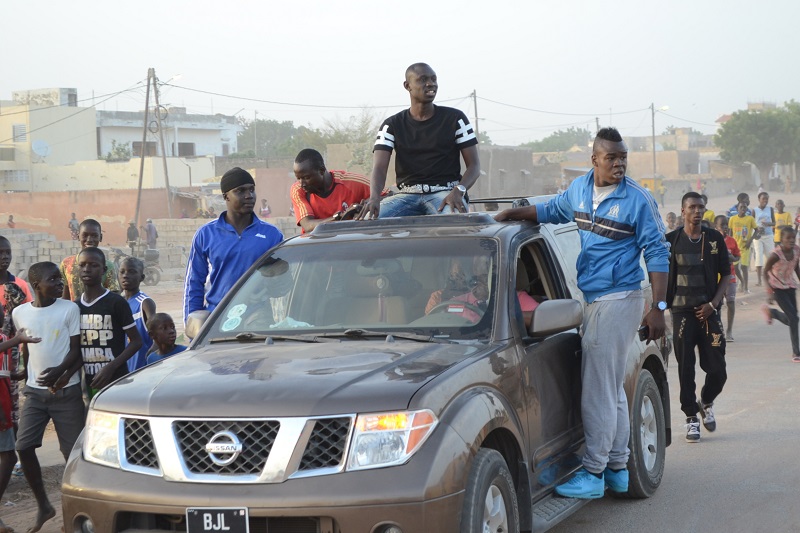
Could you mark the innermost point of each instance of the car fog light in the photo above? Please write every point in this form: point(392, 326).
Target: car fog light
point(86, 525)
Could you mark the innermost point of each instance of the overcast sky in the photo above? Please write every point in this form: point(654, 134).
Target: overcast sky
point(565, 61)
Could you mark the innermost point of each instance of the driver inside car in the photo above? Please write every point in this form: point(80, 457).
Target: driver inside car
point(476, 297)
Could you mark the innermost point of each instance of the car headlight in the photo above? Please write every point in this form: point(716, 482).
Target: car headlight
point(101, 438)
point(386, 439)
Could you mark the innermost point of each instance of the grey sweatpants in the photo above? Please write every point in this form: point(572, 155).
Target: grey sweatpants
point(608, 328)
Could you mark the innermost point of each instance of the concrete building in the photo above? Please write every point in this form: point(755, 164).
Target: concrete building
point(48, 143)
point(185, 134)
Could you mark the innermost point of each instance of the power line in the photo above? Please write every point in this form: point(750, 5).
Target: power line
point(687, 120)
point(31, 110)
point(559, 113)
point(259, 100)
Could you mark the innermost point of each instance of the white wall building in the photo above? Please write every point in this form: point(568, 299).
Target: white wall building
point(185, 135)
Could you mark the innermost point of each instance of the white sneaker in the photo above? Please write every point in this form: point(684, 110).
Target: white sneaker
point(707, 412)
point(692, 429)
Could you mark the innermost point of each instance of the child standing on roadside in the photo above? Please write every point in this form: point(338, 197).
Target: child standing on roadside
point(106, 319)
point(52, 387)
point(780, 271)
point(131, 275)
point(162, 329)
point(721, 224)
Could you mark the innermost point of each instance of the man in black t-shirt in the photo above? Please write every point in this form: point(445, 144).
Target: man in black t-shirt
point(429, 142)
point(699, 273)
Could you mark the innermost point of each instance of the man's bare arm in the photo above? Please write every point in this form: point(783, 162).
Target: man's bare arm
point(527, 212)
point(377, 181)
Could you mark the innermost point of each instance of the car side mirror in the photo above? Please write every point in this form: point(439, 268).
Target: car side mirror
point(194, 322)
point(555, 316)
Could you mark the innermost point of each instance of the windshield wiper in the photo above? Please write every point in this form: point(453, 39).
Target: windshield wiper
point(357, 333)
point(249, 336)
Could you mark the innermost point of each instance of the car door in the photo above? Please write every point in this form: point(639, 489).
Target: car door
point(551, 371)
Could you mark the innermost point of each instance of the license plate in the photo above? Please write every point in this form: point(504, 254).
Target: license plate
point(217, 519)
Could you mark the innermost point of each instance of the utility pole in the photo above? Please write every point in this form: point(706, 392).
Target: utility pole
point(475, 105)
point(255, 133)
point(161, 139)
point(653, 124)
point(150, 74)
point(597, 124)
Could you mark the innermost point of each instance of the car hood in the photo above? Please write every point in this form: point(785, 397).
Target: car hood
point(284, 379)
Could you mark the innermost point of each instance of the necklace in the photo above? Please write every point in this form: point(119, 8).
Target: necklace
point(694, 241)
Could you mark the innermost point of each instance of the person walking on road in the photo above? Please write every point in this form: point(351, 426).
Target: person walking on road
point(699, 273)
point(618, 220)
point(780, 271)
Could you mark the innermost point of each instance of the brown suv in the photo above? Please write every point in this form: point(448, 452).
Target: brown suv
point(370, 377)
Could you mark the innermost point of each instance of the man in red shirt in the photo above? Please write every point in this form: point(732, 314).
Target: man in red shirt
point(320, 195)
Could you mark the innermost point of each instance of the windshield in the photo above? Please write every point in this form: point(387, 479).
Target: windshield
point(442, 288)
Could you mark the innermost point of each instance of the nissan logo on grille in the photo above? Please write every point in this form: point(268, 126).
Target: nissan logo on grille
point(224, 447)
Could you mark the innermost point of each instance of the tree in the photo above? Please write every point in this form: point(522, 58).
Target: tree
point(561, 140)
point(357, 131)
point(266, 138)
point(483, 138)
point(761, 138)
point(119, 152)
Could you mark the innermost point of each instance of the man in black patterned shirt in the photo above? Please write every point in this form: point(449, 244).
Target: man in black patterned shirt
point(699, 273)
point(429, 142)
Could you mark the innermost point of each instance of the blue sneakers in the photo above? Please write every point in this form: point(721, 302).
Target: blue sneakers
point(616, 481)
point(582, 485)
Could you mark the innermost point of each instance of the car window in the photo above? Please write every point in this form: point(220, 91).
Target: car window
point(445, 288)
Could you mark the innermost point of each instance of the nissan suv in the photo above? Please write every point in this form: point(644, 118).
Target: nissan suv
point(368, 377)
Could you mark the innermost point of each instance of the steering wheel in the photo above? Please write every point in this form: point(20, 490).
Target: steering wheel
point(438, 308)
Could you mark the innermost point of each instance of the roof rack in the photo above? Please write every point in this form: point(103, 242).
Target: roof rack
point(430, 221)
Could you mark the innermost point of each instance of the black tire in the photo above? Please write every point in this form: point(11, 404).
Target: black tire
point(648, 442)
point(151, 276)
point(490, 502)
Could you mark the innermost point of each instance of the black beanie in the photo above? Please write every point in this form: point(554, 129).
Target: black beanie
point(235, 177)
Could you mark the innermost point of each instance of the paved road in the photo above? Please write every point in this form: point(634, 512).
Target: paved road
point(743, 477)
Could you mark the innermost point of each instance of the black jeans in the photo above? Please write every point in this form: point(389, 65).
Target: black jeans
point(786, 300)
point(688, 332)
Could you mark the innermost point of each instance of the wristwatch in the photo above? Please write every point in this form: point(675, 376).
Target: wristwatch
point(661, 306)
point(460, 188)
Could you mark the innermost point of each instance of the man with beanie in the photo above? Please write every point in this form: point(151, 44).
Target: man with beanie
point(227, 246)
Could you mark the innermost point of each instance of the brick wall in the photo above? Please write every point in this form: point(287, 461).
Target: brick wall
point(29, 247)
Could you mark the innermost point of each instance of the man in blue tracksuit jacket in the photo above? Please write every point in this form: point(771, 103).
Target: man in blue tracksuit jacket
point(228, 246)
point(618, 221)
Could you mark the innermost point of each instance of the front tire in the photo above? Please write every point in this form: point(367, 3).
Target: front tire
point(648, 439)
point(490, 501)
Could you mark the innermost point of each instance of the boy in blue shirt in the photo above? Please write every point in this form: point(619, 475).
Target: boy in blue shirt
point(131, 275)
point(162, 330)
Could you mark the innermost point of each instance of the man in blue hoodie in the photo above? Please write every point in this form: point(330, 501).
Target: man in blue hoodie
point(618, 220)
point(228, 245)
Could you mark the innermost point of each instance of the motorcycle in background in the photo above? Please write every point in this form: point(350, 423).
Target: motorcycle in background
point(149, 256)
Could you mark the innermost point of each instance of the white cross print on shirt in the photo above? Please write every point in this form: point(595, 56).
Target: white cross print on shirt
point(384, 137)
point(464, 133)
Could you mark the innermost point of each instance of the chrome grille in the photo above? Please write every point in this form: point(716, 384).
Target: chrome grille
point(139, 447)
point(325, 447)
point(257, 438)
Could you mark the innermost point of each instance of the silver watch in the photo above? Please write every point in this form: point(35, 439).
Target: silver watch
point(460, 188)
